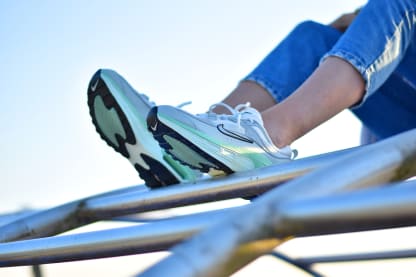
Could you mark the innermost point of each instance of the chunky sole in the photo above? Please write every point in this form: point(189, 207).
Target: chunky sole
point(113, 126)
point(182, 149)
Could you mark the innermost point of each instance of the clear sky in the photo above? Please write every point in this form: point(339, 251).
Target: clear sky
point(174, 51)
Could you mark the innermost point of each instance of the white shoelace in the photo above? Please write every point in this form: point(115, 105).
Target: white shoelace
point(241, 111)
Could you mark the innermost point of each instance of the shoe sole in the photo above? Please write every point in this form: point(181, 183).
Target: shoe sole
point(162, 132)
point(158, 175)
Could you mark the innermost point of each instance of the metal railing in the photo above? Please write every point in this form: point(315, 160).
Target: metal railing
point(358, 189)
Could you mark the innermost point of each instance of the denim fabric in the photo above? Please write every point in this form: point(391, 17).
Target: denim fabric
point(380, 44)
point(294, 59)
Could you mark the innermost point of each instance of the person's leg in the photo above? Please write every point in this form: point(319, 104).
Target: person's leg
point(251, 92)
point(392, 109)
point(285, 68)
point(368, 52)
point(334, 86)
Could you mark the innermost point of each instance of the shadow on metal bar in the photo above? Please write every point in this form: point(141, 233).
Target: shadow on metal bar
point(258, 228)
point(140, 199)
point(305, 267)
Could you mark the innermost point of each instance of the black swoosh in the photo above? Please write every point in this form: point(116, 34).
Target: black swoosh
point(229, 133)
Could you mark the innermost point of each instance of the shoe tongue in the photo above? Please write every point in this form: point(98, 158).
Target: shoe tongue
point(251, 114)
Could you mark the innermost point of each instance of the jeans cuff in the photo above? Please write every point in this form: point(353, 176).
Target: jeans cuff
point(268, 86)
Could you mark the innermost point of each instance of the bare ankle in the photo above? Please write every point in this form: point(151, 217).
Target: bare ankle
point(277, 133)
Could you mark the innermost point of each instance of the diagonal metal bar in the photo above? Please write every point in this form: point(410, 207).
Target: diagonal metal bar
point(55, 220)
point(346, 212)
point(242, 184)
point(249, 233)
point(139, 199)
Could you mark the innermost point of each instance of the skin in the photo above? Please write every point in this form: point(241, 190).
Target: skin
point(334, 86)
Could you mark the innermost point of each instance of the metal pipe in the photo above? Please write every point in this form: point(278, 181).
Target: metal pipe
point(10, 217)
point(53, 221)
point(241, 184)
point(247, 234)
point(44, 223)
point(140, 199)
point(361, 210)
point(107, 243)
point(387, 255)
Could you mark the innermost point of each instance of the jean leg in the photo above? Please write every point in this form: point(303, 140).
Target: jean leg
point(378, 39)
point(389, 111)
point(294, 59)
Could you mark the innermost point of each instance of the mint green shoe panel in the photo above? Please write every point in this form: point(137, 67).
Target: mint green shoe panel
point(183, 152)
point(108, 121)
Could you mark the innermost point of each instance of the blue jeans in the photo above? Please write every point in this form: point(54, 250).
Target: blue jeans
point(380, 44)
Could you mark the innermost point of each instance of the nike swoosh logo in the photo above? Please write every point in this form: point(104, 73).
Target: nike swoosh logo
point(232, 134)
point(94, 86)
point(154, 127)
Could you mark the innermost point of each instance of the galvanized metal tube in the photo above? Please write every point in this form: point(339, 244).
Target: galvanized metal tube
point(44, 223)
point(362, 210)
point(53, 221)
point(246, 235)
point(107, 243)
point(240, 184)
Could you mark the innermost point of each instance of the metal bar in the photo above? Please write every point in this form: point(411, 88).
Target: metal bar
point(44, 223)
point(249, 234)
point(55, 220)
point(387, 255)
point(139, 199)
point(107, 243)
point(361, 210)
point(241, 184)
point(10, 217)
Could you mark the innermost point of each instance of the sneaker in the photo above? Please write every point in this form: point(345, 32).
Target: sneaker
point(216, 144)
point(119, 115)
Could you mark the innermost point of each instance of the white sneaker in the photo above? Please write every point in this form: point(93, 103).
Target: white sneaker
point(119, 115)
point(217, 144)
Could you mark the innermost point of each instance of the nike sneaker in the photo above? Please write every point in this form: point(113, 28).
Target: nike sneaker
point(119, 115)
point(217, 144)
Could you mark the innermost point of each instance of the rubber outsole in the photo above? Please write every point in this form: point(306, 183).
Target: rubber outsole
point(163, 130)
point(157, 175)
